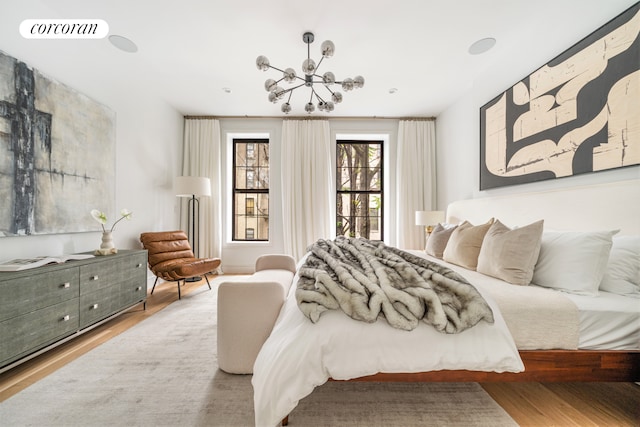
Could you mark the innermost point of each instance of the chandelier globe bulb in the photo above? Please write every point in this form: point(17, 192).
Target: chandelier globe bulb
point(289, 75)
point(270, 85)
point(358, 82)
point(347, 84)
point(286, 108)
point(328, 78)
point(262, 62)
point(328, 48)
point(279, 92)
point(309, 108)
point(337, 97)
point(309, 66)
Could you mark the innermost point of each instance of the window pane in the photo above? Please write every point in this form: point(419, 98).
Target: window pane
point(250, 208)
point(359, 215)
point(240, 154)
point(263, 177)
point(359, 167)
point(251, 221)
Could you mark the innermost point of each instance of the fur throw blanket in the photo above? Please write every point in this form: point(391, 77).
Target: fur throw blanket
point(369, 279)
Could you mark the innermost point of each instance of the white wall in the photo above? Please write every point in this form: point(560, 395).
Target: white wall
point(458, 128)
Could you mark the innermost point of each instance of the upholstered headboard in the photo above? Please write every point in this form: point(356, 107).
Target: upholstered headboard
point(590, 208)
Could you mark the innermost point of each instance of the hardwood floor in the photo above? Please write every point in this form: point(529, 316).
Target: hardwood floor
point(529, 404)
point(569, 404)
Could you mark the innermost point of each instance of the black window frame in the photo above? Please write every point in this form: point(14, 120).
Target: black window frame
point(235, 191)
point(380, 191)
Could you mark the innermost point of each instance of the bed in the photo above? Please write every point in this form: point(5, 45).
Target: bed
point(300, 355)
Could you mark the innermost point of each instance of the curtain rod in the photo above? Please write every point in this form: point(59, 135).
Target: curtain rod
point(429, 119)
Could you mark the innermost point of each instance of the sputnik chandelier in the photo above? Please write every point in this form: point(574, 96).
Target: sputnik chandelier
point(310, 69)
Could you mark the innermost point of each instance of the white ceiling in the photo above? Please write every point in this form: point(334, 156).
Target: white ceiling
point(189, 50)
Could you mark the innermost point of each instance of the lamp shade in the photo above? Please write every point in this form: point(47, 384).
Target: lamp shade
point(429, 217)
point(188, 186)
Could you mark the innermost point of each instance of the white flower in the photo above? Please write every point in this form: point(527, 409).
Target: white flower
point(101, 217)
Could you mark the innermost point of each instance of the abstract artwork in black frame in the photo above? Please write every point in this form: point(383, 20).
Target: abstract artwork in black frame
point(579, 113)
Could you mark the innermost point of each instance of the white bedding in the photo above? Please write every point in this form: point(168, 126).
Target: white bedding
point(299, 355)
point(538, 318)
point(608, 321)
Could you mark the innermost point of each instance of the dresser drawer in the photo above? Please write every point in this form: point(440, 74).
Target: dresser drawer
point(25, 334)
point(113, 270)
point(138, 262)
point(30, 293)
point(136, 269)
point(131, 293)
point(98, 305)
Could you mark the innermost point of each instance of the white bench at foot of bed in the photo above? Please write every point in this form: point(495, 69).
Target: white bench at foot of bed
point(248, 309)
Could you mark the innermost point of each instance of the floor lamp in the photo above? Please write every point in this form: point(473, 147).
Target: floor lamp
point(193, 187)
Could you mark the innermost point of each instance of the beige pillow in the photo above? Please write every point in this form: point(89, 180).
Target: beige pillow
point(438, 240)
point(465, 243)
point(509, 254)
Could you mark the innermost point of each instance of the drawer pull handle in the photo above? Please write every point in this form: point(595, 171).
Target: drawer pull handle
point(94, 277)
point(138, 265)
point(139, 288)
point(94, 306)
point(65, 285)
point(66, 318)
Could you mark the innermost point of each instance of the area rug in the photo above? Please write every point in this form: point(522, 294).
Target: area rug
point(163, 372)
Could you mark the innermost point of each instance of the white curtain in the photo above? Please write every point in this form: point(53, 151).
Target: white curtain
point(416, 180)
point(306, 184)
point(201, 157)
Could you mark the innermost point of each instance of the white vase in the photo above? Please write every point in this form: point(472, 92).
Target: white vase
point(107, 240)
point(106, 247)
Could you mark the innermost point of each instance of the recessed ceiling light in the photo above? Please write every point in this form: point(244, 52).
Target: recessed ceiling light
point(226, 89)
point(393, 90)
point(482, 45)
point(123, 43)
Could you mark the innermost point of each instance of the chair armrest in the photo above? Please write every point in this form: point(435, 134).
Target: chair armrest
point(247, 312)
point(276, 262)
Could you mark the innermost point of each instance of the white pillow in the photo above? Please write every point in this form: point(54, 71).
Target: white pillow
point(623, 271)
point(573, 261)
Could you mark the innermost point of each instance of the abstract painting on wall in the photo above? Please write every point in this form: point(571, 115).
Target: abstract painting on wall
point(579, 113)
point(57, 154)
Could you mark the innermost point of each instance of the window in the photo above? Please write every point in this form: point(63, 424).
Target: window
point(359, 195)
point(251, 189)
point(250, 206)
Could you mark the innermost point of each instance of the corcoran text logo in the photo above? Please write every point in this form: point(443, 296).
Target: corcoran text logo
point(64, 29)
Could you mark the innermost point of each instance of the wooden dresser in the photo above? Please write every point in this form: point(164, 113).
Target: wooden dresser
point(45, 306)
